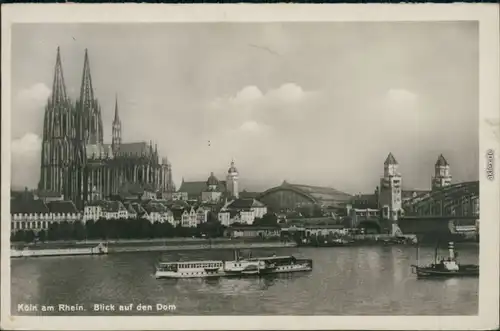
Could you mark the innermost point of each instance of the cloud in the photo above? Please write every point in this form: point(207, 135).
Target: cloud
point(284, 103)
point(37, 93)
point(248, 94)
point(28, 144)
point(401, 99)
point(25, 160)
point(287, 93)
point(250, 126)
point(29, 103)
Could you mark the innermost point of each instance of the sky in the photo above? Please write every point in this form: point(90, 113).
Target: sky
point(310, 103)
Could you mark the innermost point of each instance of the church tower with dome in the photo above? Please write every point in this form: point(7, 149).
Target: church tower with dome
point(212, 192)
point(232, 181)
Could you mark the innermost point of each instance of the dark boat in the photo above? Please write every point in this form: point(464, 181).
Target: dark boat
point(444, 268)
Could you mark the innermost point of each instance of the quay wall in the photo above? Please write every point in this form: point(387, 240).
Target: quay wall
point(241, 245)
point(432, 229)
point(49, 249)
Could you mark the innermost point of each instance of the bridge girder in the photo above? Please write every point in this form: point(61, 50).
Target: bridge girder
point(455, 200)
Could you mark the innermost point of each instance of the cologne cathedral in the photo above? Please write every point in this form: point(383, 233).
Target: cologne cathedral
point(76, 163)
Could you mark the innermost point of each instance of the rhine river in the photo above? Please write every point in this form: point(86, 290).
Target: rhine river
point(345, 281)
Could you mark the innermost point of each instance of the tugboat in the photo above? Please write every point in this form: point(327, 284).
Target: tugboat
point(448, 267)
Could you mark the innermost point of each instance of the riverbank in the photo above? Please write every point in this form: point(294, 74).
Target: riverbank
point(88, 247)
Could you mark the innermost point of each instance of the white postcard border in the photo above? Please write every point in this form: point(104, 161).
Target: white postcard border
point(486, 14)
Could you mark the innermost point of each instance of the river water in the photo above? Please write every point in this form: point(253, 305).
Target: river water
point(345, 281)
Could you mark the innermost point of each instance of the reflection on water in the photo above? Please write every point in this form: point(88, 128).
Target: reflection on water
point(345, 281)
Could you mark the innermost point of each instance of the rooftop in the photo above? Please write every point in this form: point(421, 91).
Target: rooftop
point(62, 207)
point(441, 161)
point(321, 194)
point(135, 149)
point(391, 160)
point(21, 206)
point(245, 204)
point(197, 187)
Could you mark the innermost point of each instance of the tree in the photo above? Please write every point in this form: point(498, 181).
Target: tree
point(145, 228)
point(90, 230)
point(19, 235)
point(79, 232)
point(53, 233)
point(269, 219)
point(212, 229)
point(212, 217)
point(42, 235)
point(101, 228)
point(29, 236)
point(180, 231)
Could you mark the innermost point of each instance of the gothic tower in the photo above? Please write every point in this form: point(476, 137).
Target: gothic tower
point(390, 190)
point(232, 181)
point(116, 139)
point(58, 136)
point(442, 177)
point(89, 133)
point(88, 110)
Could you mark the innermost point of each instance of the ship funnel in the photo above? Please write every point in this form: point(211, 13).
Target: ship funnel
point(451, 249)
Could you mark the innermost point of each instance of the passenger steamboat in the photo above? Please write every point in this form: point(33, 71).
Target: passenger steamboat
point(238, 267)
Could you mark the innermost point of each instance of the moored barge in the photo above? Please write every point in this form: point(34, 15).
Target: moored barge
point(100, 249)
point(237, 268)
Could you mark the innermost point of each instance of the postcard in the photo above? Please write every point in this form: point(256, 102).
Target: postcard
point(244, 167)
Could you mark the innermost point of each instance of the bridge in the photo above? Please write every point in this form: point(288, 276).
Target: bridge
point(458, 201)
point(452, 209)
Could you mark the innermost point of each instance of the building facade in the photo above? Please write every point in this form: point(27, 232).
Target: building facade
point(76, 162)
point(36, 215)
point(243, 211)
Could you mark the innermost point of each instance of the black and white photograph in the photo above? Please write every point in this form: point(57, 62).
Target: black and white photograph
point(248, 164)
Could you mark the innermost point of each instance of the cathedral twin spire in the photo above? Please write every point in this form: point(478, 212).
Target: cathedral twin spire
point(89, 110)
point(88, 115)
point(58, 86)
point(86, 91)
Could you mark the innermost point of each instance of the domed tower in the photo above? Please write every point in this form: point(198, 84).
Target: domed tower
point(212, 193)
point(212, 183)
point(442, 177)
point(232, 181)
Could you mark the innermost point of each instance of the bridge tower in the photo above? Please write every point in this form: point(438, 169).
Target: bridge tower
point(442, 177)
point(232, 181)
point(390, 192)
